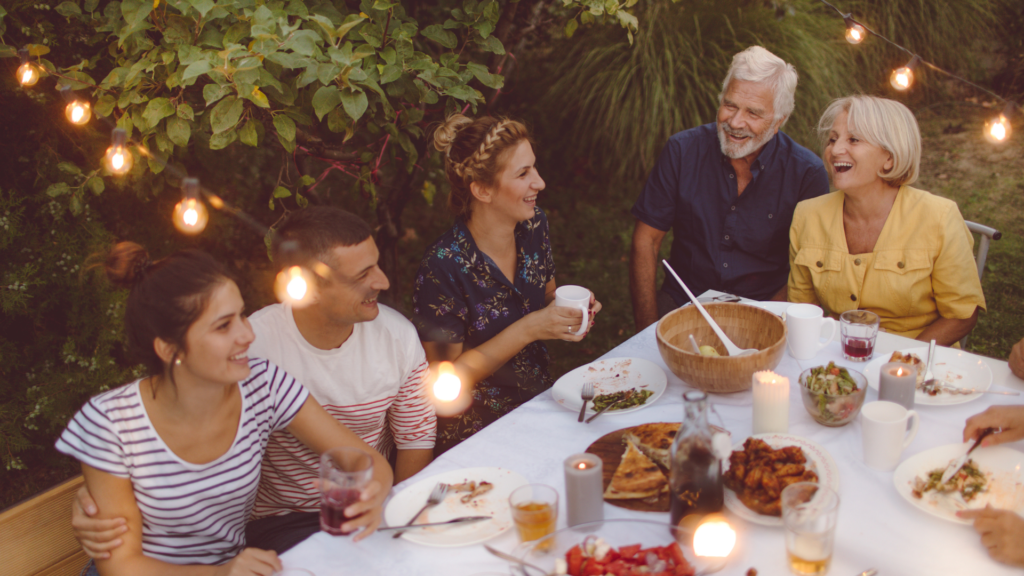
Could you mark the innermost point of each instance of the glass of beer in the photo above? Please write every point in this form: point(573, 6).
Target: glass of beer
point(809, 513)
point(535, 511)
point(344, 472)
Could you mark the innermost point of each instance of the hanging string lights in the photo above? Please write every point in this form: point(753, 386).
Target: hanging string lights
point(190, 215)
point(855, 33)
point(997, 129)
point(78, 111)
point(118, 159)
point(902, 78)
point(28, 72)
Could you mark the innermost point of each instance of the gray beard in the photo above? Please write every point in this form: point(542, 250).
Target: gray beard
point(736, 151)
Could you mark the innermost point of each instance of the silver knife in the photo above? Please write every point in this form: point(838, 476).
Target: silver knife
point(463, 520)
point(959, 462)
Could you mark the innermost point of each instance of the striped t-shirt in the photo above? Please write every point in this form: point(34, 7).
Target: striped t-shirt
point(373, 384)
point(191, 513)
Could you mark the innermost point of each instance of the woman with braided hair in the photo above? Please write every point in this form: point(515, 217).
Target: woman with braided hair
point(484, 290)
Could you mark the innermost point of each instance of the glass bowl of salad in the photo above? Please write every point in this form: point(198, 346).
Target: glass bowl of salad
point(619, 547)
point(833, 394)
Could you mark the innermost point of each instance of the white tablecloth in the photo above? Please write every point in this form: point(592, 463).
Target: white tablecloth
point(876, 527)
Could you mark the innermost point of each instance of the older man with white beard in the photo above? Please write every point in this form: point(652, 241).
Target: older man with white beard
point(727, 190)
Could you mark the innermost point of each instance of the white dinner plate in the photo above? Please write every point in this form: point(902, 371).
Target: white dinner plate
point(608, 376)
point(953, 367)
point(494, 504)
point(1005, 465)
point(818, 460)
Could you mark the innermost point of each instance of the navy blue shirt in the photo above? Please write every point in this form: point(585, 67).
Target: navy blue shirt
point(462, 296)
point(722, 240)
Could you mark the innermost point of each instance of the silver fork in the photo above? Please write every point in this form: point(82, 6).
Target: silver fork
point(435, 498)
point(587, 394)
point(929, 378)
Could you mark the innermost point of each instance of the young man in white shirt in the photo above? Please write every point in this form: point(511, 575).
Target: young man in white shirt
point(363, 362)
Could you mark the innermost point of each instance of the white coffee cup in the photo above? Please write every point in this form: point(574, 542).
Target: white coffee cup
point(884, 427)
point(575, 297)
point(805, 324)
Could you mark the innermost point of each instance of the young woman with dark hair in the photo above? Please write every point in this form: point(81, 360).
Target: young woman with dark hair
point(483, 291)
point(177, 453)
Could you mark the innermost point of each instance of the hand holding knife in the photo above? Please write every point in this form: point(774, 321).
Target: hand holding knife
point(959, 462)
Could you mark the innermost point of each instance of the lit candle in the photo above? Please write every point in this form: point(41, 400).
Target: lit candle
point(584, 493)
point(897, 382)
point(771, 402)
point(714, 538)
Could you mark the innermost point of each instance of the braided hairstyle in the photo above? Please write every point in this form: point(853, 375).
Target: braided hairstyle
point(475, 151)
point(166, 297)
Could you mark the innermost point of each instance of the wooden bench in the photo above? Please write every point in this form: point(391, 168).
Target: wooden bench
point(36, 537)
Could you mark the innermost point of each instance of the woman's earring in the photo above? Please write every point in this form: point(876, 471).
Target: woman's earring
point(177, 362)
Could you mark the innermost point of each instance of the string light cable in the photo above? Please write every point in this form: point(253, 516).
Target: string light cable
point(996, 129)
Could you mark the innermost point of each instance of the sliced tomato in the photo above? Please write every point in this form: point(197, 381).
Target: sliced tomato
point(629, 551)
point(574, 558)
point(593, 568)
point(676, 554)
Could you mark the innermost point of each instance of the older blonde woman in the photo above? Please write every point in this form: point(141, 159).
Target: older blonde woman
point(877, 243)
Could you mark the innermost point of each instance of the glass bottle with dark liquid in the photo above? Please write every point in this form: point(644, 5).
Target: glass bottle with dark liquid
point(696, 475)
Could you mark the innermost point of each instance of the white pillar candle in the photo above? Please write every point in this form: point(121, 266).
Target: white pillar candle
point(771, 402)
point(584, 493)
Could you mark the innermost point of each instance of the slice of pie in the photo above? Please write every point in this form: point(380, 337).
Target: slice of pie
point(636, 477)
point(912, 360)
point(655, 440)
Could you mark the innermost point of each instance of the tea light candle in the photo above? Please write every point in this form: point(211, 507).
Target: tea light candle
point(897, 382)
point(584, 492)
point(771, 402)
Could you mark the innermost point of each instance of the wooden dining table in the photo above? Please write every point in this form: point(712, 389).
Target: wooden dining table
point(877, 528)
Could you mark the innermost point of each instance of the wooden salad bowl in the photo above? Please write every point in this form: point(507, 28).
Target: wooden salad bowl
point(747, 326)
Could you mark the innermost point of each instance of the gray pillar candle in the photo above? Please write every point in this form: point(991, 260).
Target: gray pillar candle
point(584, 493)
point(897, 382)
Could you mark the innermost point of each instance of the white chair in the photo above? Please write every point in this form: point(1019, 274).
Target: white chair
point(987, 235)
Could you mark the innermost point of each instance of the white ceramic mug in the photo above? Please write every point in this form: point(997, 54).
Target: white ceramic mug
point(575, 297)
point(805, 324)
point(884, 427)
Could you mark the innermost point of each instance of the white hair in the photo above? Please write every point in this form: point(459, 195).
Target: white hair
point(755, 64)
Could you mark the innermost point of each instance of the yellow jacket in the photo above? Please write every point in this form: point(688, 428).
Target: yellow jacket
point(922, 266)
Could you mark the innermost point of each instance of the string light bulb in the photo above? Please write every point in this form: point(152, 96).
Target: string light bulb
point(190, 215)
point(78, 112)
point(855, 33)
point(998, 129)
point(28, 73)
point(118, 158)
point(294, 286)
point(902, 78)
point(447, 387)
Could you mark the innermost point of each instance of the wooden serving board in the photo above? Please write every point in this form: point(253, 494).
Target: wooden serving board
point(609, 448)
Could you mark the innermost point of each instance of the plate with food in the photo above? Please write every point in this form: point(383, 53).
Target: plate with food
point(636, 463)
point(635, 381)
point(992, 476)
point(954, 369)
point(471, 492)
point(762, 465)
point(618, 546)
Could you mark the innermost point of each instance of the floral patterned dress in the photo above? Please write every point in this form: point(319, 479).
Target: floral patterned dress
point(461, 296)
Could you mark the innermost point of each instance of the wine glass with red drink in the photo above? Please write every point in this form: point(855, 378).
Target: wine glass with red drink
point(859, 329)
point(344, 473)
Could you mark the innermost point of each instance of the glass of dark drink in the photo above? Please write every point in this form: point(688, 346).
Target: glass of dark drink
point(344, 472)
point(859, 329)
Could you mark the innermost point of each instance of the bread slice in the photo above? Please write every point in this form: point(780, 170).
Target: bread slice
point(636, 477)
point(655, 440)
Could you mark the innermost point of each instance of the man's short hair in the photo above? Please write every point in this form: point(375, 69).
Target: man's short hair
point(755, 64)
point(885, 123)
point(318, 230)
